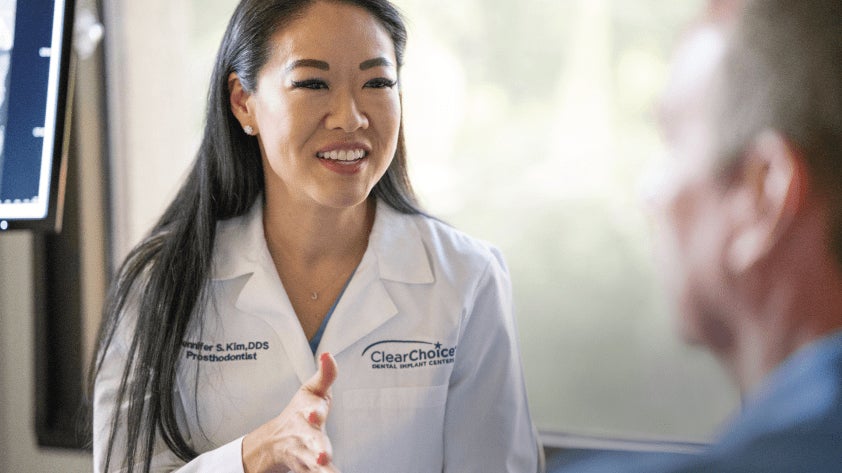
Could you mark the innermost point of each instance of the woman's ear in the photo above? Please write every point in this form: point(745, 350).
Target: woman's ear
point(770, 193)
point(240, 101)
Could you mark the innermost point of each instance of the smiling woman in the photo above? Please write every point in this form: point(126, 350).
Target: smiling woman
point(314, 108)
point(236, 332)
point(527, 124)
point(329, 98)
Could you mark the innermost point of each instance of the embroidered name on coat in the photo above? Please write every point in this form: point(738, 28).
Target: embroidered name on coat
point(223, 352)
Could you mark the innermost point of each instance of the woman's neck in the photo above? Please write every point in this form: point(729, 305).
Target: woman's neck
point(307, 235)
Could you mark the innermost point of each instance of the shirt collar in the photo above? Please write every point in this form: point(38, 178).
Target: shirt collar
point(803, 388)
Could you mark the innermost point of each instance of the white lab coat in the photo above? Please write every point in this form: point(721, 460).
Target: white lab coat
point(430, 378)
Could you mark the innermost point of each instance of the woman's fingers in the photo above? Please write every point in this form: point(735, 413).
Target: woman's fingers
point(297, 437)
point(317, 410)
point(319, 385)
point(321, 382)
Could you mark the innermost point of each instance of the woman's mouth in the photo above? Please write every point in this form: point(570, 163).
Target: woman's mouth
point(343, 156)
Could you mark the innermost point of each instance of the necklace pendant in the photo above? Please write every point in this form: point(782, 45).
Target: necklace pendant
point(314, 296)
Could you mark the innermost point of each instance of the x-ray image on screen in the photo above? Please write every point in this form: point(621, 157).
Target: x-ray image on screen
point(7, 39)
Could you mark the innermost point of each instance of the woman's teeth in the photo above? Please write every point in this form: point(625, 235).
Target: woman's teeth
point(342, 155)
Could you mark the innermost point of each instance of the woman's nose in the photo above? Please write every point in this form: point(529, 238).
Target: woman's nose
point(345, 114)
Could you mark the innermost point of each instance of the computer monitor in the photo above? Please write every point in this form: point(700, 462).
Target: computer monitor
point(35, 42)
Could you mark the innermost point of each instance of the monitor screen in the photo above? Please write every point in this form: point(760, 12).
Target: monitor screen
point(34, 72)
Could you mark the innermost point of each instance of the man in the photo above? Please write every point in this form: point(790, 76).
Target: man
point(749, 219)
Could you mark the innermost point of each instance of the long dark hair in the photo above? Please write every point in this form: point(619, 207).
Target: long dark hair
point(168, 271)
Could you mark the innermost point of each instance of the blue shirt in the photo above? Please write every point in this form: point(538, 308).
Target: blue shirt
point(317, 337)
point(793, 423)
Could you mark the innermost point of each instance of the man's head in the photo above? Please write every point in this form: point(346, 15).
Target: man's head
point(783, 71)
point(749, 207)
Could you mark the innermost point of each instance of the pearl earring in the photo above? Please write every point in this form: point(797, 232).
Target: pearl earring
point(249, 130)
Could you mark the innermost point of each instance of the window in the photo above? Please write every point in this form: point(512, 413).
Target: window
point(528, 124)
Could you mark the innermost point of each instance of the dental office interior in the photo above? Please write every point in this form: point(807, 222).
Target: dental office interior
point(528, 124)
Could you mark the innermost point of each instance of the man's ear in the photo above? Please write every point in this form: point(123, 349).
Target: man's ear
point(240, 101)
point(767, 196)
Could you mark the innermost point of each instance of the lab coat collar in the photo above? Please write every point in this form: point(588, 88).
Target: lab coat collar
point(239, 244)
point(395, 252)
point(241, 252)
point(401, 254)
point(395, 239)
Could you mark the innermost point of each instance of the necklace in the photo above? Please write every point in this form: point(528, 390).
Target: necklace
point(314, 295)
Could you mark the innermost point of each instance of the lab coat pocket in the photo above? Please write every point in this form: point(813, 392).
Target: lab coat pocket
point(395, 428)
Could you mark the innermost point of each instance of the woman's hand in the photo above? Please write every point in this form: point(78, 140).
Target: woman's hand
point(296, 440)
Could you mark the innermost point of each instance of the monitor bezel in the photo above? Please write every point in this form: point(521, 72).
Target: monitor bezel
point(61, 109)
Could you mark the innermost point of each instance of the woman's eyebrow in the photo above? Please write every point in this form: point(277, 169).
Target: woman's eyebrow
point(376, 62)
point(315, 63)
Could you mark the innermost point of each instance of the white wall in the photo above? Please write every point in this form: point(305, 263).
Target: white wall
point(152, 133)
point(19, 451)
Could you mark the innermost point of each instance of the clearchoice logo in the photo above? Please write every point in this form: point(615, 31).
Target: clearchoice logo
point(407, 354)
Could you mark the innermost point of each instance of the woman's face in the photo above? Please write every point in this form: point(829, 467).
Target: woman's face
point(326, 109)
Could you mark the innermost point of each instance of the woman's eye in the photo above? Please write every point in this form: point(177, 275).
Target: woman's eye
point(380, 83)
point(313, 84)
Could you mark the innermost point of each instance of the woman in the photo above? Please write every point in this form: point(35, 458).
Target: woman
point(297, 235)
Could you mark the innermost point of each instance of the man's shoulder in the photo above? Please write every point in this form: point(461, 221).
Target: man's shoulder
point(813, 449)
point(784, 453)
point(813, 444)
point(614, 462)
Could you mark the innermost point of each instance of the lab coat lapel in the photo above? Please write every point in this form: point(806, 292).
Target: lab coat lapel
point(241, 251)
point(395, 253)
point(365, 306)
point(263, 295)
